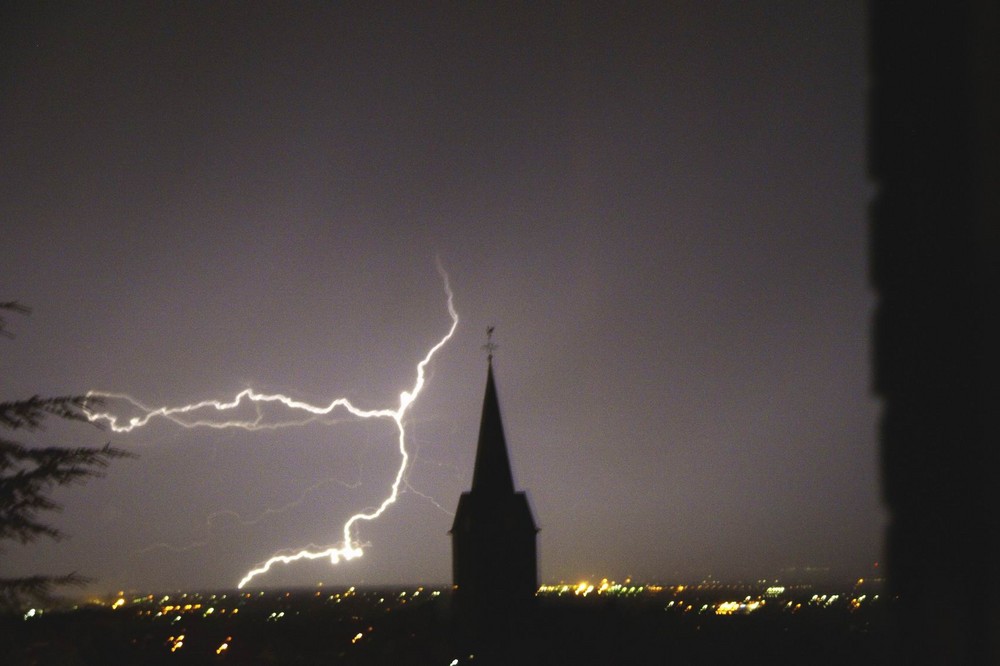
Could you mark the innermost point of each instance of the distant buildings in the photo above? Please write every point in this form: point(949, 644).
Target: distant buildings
point(494, 554)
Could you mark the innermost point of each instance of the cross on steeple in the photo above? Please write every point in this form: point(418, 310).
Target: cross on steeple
point(490, 346)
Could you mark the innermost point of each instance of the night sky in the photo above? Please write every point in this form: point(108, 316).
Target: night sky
point(661, 207)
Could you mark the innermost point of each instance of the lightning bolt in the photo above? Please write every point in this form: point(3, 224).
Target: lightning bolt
point(214, 517)
point(187, 416)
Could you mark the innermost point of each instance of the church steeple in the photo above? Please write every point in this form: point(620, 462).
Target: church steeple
point(492, 474)
point(494, 554)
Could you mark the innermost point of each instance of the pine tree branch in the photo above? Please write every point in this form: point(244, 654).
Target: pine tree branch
point(30, 413)
point(29, 474)
point(15, 593)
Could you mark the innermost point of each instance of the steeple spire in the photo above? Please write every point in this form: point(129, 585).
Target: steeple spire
point(492, 474)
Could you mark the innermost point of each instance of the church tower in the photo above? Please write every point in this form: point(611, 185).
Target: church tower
point(493, 538)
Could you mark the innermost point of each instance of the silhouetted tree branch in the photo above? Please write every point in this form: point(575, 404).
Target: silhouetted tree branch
point(28, 475)
point(15, 591)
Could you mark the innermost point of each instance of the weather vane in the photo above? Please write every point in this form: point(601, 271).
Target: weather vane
point(490, 346)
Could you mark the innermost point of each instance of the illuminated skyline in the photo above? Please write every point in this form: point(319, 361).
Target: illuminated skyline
point(661, 208)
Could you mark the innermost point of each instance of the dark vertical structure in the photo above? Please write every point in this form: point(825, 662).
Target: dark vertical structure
point(935, 244)
point(493, 538)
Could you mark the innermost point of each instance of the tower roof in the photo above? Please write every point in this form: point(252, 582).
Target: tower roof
point(492, 474)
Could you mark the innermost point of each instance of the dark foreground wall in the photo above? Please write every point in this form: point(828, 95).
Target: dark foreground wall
point(935, 262)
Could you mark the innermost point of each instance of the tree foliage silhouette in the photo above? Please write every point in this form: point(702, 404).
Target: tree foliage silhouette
point(29, 474)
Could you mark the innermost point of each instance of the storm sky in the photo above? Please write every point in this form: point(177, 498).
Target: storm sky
point(660, 206)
